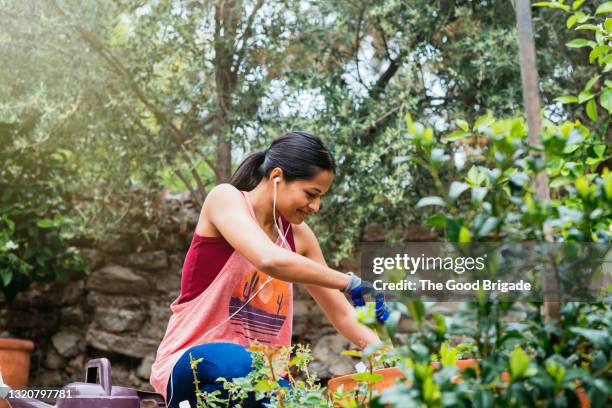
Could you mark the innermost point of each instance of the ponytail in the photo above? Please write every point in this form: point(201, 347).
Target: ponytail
point(300, 155)
point(250, 172)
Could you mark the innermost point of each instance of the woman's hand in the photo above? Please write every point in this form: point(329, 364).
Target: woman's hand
point(357, 288)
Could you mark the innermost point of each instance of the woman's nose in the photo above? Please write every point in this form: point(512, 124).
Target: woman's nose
point(314, 206)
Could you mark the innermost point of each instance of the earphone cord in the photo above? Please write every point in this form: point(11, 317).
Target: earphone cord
point(283, 242)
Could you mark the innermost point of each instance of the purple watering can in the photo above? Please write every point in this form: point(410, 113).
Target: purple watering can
point(96, 392)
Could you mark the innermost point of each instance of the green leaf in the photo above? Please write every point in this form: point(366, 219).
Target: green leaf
point(582, 185)
point(431, 200)
point(367, 377)
point(571, 21)
point(478, 194)
point(463, 125)
point(457, 134)
point(605, 100)
point(436, 220)
point(448, 355)
point(596, 52)
point(551, 5)
point(577, 4)
point(352, 353)
point(604, 8)
point(591, 110)
point(592, 27)
point(599, 150)
point(488, 226)
point(484, 120)
point(6, 275)
point(519, 362)
point(566, 99)
point(608, 24)
point(607, 183)
point(556, 371)
point(456, 188)
point(417, 310)
point(264, 385)
point(585, 96)
point(580, 42)
point(591, 82)
point(464, 235)
point(599, 338)
point(45, 223)
point(410, 123)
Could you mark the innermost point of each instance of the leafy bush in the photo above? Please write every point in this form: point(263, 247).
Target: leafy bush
point(34, 200)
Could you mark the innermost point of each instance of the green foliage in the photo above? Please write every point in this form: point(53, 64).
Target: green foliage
point(596, 25)
point(484, 189)
point(34, 193)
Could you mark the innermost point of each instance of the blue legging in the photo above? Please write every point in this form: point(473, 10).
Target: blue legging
point(226, 360)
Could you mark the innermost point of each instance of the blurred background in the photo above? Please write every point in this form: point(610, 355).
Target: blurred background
point(117, 117)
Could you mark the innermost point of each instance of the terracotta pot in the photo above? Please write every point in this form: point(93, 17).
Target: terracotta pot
point(392, 374)
point(15, 361)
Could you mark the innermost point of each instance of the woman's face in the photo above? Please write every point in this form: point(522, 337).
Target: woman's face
point(297, 199)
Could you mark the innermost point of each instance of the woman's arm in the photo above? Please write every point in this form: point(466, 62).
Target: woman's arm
point(335, 306)
point(225, 207)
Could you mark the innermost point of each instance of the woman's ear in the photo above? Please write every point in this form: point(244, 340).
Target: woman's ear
point(276, 172)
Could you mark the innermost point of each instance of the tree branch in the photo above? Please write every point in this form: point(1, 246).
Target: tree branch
point(246, 34)
point(358, 45)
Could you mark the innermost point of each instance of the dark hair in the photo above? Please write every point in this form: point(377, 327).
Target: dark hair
point(300, 155)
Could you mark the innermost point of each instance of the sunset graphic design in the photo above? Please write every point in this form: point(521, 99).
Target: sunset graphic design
point(262, 318)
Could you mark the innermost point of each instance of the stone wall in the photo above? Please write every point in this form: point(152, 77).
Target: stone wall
point(121, 308)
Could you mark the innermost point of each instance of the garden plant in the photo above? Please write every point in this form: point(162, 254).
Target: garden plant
point(482, 173)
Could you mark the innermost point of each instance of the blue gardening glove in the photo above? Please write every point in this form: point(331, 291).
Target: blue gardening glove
point(357, 288)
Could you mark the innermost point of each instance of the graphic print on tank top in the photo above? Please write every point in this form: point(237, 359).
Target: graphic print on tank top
point(262, 318)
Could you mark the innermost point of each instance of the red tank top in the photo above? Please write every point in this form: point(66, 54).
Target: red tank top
point(205, 259)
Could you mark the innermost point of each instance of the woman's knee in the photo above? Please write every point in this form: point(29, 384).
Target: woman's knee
point(225, 360)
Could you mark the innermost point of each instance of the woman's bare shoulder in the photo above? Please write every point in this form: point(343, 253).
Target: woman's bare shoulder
point(303, 237)
point(222, 198)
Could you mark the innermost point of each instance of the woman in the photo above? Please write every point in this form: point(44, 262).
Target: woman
point(236, 284)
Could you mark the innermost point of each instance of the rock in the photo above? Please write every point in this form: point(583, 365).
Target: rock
point(144, 369)
point(39, 296)
point(96, 299)
point(76, 366)
point(72, 315)
point(41, 321)
point(67, 343)
point(93, 257)
point(168, 282)
point(128, 345)
point(327, 350)
point(155, 327)
point(117, 279)
point(119, 244)
point(175, 262)
point(145, 260)
point(118, 320)
point(50, 378)
point(73, 293)
point(53, 360)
